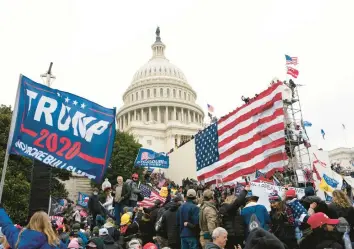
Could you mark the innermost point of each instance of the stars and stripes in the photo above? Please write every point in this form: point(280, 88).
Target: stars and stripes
point(58, 219)
point(150, 196)
point(248, 139)
point(210, 108)
point(291, 60)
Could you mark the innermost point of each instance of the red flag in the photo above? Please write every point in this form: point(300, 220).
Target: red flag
point(316, 172)
point(293, 72)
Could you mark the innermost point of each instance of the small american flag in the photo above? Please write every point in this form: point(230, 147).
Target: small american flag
point(250, 138)
point(291, 60)
point(58, 219)
point(151, 195)
point(210, 108)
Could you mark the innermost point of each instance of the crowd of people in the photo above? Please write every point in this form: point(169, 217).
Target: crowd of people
point(193, 217)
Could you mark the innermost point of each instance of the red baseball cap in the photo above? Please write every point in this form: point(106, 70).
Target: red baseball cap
point(319, 219)
point(290, 193)
point(150, 246)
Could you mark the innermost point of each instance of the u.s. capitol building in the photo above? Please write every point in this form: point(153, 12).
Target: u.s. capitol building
point(160, 107)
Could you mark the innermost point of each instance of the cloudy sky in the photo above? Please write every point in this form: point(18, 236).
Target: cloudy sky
point(225, 48)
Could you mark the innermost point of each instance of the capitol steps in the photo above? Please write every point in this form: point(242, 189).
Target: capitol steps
point(77, 184)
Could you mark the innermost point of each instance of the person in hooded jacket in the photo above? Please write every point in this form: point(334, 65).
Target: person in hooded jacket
point(232, 220)
point(322, 233)
point(112, 230)
point(147, 229)
point(169, 224)
point(251, 209)
point(38, 234)
point(341, 207)
point(310, 198)
point(107, 239)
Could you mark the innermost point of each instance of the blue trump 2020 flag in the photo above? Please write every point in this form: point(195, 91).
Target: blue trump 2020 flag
point(62, 130)
point(151, 159)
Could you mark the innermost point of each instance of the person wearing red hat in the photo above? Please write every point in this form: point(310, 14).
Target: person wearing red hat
point(322, 235)
point(150, 246)
point(133, 184)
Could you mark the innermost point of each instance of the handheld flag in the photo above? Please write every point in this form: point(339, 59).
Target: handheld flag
point(151, 159)
point(307, 124)
point(291, 60)
point(210, 108)
point(293, 72)
point(323, 133)
point(62, 130)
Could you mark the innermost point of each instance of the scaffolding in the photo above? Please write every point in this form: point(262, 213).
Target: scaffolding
point(297, 141)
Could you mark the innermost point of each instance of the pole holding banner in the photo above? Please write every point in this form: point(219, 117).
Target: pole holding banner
point(10, 138)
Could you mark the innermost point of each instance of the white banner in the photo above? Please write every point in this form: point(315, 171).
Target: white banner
point(262, 190)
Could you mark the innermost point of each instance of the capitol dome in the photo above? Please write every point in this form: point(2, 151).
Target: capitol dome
point(160, 107)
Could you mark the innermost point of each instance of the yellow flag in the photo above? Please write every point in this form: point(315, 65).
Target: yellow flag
point(325, 187)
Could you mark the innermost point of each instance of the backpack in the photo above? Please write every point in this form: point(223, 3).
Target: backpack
point(254, 223)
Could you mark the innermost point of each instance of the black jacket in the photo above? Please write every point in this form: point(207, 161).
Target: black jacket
point(94, 205)
point(320, 240)
point(126, 191)
point(306, 201)
point(231, 218)
point(336, 212)
point(169, 224)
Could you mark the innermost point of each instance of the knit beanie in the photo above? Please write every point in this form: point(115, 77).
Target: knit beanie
point(261, 239)
point(274, 196)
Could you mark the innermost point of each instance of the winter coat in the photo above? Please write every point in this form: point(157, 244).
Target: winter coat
point(283, 229)
point(319, 240)
point(211, 245)
point(109, 242)
point(134, 191)
point(126, 192)
point(94, 205)
point(147, 230)
point(29, 239)
point(306, 201)
point(188, 212)
point(169, 224)
point(112, 231)
point(208, 219)
point(260, 211)
point(231, 217)
point(336, 211)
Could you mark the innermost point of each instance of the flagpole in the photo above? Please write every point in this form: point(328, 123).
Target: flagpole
point(345, 137)
point(10, 138)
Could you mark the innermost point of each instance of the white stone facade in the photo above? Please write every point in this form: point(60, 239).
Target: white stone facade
point(344, 156)
point(160, 106)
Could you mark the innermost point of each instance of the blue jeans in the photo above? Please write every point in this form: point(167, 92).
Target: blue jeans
point(118, 209)
point(189, 243)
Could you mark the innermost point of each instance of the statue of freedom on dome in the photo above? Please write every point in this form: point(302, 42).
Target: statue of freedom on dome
point(157, 32)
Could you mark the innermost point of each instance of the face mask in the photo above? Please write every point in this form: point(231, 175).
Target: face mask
point(95, 193)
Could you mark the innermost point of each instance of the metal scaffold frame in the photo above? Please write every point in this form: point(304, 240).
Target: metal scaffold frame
point(297, 141)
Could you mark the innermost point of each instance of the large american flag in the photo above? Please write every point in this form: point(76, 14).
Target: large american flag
point(150, 195)
point(248, 139)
